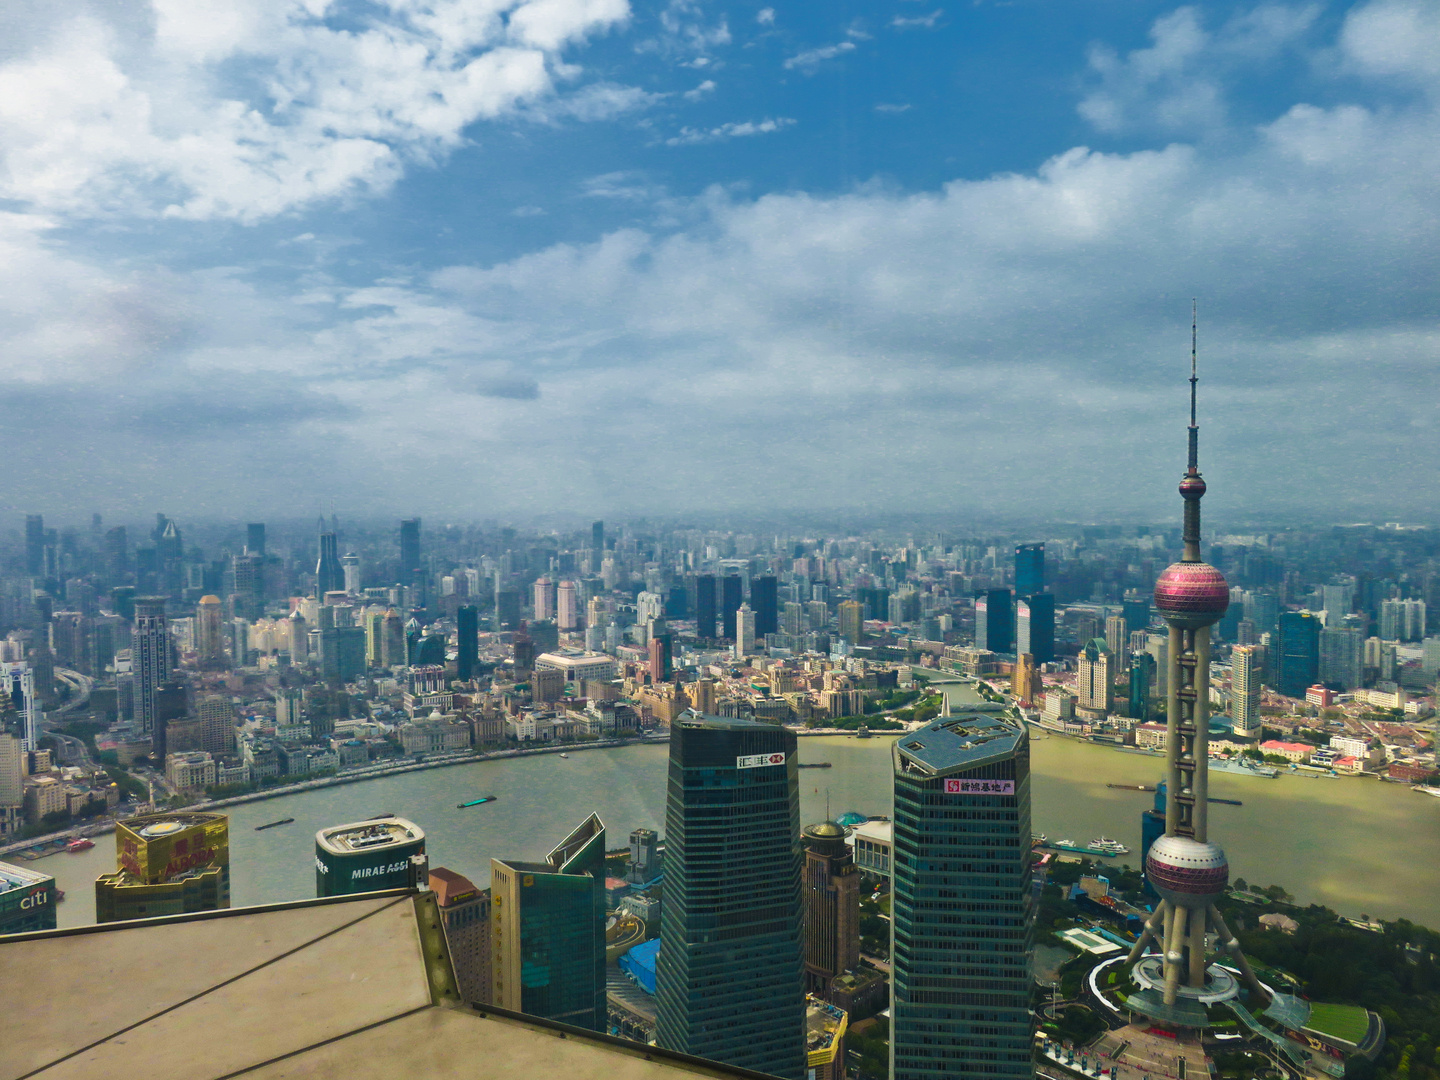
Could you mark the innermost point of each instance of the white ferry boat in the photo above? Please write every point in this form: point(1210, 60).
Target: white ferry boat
point(1112, 847)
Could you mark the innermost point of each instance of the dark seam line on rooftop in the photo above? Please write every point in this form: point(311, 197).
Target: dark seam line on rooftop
point(323, 1042)
point(207, 990)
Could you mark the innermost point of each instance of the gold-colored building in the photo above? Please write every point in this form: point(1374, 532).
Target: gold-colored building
point(167, 864)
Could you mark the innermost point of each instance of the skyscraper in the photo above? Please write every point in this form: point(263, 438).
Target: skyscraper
point(1117, 638)
point(1035, 627)
point(851, 620)
point(411, 572)
point(350, 565)
point(255, 538)
point(1187, 871)
point(209, 636)
point(35, 544)
point(744, 632)
point(963, 919)
point(329, 574)
point(660, 655)
point(384, 852)
point(831, 890)
point(597, 541)
point(995, 622)
point(730, 597)
point(765, 599)
point(705, 606)
point(1029, 569)
point(1137, 615)
point(168, 864)
point(544, 598)
point(1245, 674)
point(548, 931)
point(1342, 656)
point(1295, 653)
point(1094, 681)
point(730, 970)
point(151, 662)
point(567, 606)
point(465, 914)
point(467, 641)
point(1142, 683)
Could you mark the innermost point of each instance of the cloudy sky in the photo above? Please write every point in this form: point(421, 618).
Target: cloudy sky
point(469, 258)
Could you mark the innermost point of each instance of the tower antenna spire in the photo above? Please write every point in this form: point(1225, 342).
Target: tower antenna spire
point(1194, 462)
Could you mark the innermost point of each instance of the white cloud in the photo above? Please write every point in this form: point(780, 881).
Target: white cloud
point(1007, 345)
point(890, 107)
point(902, 22)
point(704, 90)
point(245, 109)
point(765, 16)
point(1176, 85)
point(690, 136)
point(813, 58)
point(1394, 38)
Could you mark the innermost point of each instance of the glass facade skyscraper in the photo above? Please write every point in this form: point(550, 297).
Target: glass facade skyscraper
point(1296, 663)
point(995, 622)
point(1035, 627)
point(731, 965)
point(548, 926)
point(1029, 569)
point(963, 909)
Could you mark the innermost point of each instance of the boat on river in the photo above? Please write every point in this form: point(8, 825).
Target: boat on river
point(814, 765)
point(481, 801)
point(272, 824)
point(1112, 847)
point(1427, 790)
point(80, 843)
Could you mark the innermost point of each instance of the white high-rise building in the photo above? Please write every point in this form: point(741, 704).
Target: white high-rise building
point(1402, 620)
point(744, 631)
point(544, 598)
point(19, 683)
point(1245, 661)
point(567, 606)
point(1095, 684)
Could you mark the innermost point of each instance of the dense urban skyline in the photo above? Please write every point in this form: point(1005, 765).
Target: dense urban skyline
point(661, 258)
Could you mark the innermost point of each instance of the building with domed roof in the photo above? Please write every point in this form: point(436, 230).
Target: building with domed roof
point(831, 891)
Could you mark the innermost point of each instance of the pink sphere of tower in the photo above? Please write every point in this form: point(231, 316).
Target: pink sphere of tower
point(1192, 487)
point(1187, 872)
point(1192, 594)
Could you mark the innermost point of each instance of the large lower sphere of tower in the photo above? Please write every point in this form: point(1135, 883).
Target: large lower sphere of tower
point(1187, 872)
point(1192, 594)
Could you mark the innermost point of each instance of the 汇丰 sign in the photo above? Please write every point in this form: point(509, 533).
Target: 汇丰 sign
point(754, 761)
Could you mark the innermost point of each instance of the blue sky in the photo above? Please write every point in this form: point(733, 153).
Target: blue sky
point(468, 259)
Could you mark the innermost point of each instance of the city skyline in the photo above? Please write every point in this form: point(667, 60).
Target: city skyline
point(825, 236)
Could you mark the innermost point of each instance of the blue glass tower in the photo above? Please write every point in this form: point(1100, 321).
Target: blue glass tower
point(729, 977)
point(1029, 569)
point(963, 910)
point(1296, 653)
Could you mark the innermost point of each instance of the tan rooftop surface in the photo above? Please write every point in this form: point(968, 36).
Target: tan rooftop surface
point(354, 988)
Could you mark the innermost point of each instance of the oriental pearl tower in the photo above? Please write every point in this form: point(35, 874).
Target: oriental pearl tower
point(1186, 868)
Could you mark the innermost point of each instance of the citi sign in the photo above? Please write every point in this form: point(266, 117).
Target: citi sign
point(754, 761)
point(34, 900)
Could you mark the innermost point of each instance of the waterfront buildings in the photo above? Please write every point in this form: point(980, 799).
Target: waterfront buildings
point(465, 914)
point(962, 907)
point(382, 853)
point(831, 884)
point(730, 969)
point(168, 864)
point(27, 900)
point(1025, 680)
point(548, 931)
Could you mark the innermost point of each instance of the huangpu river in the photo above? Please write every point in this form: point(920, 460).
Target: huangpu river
point(1353, 844)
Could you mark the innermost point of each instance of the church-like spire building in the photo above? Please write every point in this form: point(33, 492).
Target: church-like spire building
point(1184, 866)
